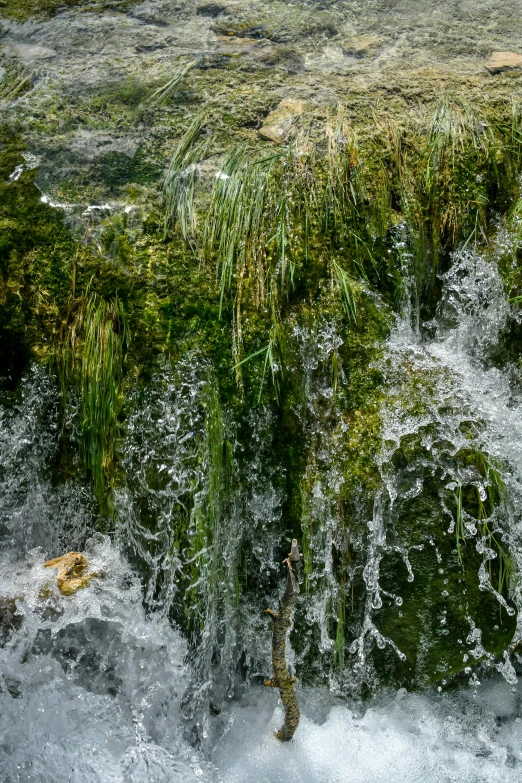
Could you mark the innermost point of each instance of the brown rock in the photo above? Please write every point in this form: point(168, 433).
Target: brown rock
point(72, 575)
point(279, 124)
point(271, 134)
point(503, 61)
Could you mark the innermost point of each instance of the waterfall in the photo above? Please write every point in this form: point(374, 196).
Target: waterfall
point(103, 686)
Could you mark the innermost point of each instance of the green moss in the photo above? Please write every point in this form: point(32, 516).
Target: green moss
point(293, 239)
point(443, 602)
point(21, 10)
point(115, 169)
point(36, 253)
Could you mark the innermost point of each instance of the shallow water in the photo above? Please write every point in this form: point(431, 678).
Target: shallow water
point(364, 55)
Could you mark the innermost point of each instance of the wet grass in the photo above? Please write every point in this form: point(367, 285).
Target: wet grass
point(283, 220)
point(169, 88)
point(478, 504)
point(281, 230)
point(180, 179)
point(92, 352)
point(324, 229)
point(15, 80)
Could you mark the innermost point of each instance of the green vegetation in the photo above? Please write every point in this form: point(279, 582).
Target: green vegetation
point(96, 340)
point(478, 504)
point(248, 255)
point(15, 81)
point(161, 94)
point(210, 577)
point(180, 181)
point(21, 10)
point(35, 252)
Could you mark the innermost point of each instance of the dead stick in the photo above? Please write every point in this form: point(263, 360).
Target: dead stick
point(281, 621)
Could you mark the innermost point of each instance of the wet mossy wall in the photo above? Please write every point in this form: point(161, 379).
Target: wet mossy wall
point(353, 224)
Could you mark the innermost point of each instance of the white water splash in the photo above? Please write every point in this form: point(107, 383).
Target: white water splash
point(90, 690)
point(469, 737)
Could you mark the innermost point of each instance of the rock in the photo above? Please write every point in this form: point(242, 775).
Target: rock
point(212, 9)
point(503, 61)
point(10, 618)
point(361, 45)
point(271, 134)
point(280, 122)
point(13, 685)
point(72, 574)
point(29, 52)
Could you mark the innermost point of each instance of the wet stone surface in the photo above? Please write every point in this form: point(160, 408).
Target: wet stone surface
point(92, 70)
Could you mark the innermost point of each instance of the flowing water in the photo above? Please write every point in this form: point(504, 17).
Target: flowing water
point(93, 688)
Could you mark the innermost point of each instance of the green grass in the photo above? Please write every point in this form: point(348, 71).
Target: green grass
point(93, 349)
point(481, 507)
point(167, 90)
point(180, 179)
point(15, 81)
point(282, 220)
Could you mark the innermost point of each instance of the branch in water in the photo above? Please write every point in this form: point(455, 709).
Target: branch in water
point(281, 621)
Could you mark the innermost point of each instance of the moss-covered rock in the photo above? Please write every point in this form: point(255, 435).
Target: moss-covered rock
point(36, 252)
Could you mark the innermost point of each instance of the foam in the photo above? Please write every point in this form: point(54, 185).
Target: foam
point(433, 738)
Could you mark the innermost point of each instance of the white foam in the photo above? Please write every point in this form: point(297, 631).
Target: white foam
point(464, 738)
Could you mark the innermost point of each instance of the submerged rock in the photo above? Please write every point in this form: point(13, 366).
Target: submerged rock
point(11, 618)
point(503, 61)
point(362, 45)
